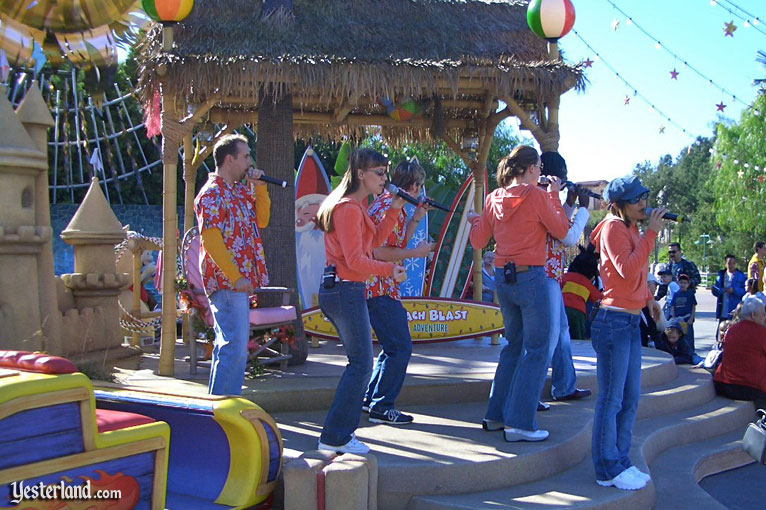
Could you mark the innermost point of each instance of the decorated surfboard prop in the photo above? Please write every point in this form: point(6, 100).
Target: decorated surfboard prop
point(311, 188)
point(453, 255)
point(416, 267)
point(430, 320)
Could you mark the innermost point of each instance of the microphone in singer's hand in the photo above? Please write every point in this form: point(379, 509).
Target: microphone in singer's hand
point(669, 216)
point(434, 203)
point(270, 180)
point(399, 192)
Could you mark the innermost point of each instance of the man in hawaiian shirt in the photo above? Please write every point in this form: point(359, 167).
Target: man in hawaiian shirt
point(232, 261)
point(563, 376)
point(387, 315)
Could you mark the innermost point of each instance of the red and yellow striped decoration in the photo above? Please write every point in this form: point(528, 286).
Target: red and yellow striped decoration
point(167, 10)
point(550, 19)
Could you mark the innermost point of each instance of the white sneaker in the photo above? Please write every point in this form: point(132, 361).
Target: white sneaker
point(512, 435)
point(633, 470)
point(625, 481)
point(353, 446)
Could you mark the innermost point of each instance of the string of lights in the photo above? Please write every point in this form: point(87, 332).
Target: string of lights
point(660, 45)
point(636, 93)
point(749, 20)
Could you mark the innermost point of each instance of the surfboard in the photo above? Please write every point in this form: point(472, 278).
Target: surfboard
point(416, 267)
point(311, 187)
point(430, 320)
point(453, 254)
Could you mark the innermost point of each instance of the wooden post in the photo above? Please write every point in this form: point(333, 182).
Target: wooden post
point(136, 310)
point(170, 144)
point(190, 178)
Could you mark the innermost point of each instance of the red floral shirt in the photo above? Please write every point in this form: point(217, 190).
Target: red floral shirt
point(231, 209)
point(554, 262)
point(386, 285)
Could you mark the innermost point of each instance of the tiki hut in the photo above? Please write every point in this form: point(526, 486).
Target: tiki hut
point(323, 67)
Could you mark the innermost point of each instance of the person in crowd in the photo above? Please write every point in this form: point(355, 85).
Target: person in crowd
point(518, 205)
point(488, 277)
point(679, 265)
point(578, 290)
point(756, 264)
point(350, 237)
point(670, 288)
point(232, 260)
point(683, 306)
point(742, 372)
point(615, 330)
point(729, 289)
point(387, 315)
point(563, 376)
point(651, 329)
point(673, 341)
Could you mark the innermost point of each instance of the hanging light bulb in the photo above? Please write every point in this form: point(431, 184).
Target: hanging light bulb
point(206, 131)
point(470, 140)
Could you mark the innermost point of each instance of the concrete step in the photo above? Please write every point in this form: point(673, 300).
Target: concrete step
point(677, 472)
point(576, 487)
point(445, 450)
point(432, 378)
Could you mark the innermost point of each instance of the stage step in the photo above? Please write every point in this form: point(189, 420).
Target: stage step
point(576, 487)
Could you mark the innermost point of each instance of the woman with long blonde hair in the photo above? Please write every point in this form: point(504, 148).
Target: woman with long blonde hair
point(350, 237)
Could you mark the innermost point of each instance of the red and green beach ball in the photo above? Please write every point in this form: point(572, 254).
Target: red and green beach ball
point(550, 19)
point(167, 10)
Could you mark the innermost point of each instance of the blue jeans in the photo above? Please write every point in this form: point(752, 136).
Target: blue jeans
point(389, 320)
point(617, 341)
point(563, 378)
point(231, 316)
point(346, 308)
point(523, 363)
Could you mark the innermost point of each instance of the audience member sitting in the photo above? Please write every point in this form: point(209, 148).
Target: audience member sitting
point(742, 372)
point(652, 319)
point(673, 341)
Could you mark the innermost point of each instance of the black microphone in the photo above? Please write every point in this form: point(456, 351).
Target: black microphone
point(577, 188)
point(399, 192)
point(669, 216)
point(434, 203)
point(270, 180)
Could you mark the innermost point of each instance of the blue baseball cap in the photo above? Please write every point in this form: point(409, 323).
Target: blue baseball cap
point(677, 324)
point(624, 188)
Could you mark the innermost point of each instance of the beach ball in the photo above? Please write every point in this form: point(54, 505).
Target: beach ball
point(403, 112)
point(550, 19)
point(167, 10)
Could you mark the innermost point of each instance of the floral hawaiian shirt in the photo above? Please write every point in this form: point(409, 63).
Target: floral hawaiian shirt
point(386, 285)
point(231, 209)
point(554, 263)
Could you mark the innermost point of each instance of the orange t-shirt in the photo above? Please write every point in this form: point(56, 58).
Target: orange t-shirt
point(349, 246)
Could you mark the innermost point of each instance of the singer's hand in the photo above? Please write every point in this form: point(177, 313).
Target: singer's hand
point(423, 249)
point(583, 198)
point(253, 176)
point(243, 285)
point(655, 219)
point(421, 211)
point(397, 202)
point(400, 274)
point(554, 184)
point(471, 215)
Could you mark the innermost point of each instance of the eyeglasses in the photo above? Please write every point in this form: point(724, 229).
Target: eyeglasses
point(672, 252)
point(642, 196)
point(380, 172)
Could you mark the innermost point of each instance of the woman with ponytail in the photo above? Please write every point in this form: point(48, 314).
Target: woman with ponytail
point(350, 237)
point(519, 215)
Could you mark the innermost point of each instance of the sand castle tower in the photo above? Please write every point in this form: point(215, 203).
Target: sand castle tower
point(94, 231)
point(25, 230)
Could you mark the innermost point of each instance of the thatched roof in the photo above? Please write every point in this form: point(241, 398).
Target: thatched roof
point(335, 55)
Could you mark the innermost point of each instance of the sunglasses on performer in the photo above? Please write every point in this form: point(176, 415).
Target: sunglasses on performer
point(642, 196)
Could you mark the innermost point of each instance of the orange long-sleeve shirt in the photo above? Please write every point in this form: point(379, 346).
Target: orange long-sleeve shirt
point(349, 246)
point(624, 262)
point(519, 217)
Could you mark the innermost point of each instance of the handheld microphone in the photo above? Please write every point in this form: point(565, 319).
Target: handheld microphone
point(669, 216)
point(437, 205)
point(270, 180)
point(399, 192)
point(577, 188)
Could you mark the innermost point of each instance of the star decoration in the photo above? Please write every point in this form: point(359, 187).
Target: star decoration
point(615, 24)
point(718, 165)
point(662, 129)
point(741, 174)
point(761, 178)
point(729, 28)
point(674, 74)
point(720, 106)
point(627, 100)
point(588, 62)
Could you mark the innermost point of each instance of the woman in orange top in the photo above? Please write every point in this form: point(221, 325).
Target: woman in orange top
point(615, 332)
point(350, 237)
point(519, 215)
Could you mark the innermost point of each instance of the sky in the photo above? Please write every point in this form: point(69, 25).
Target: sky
point(601, 137)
